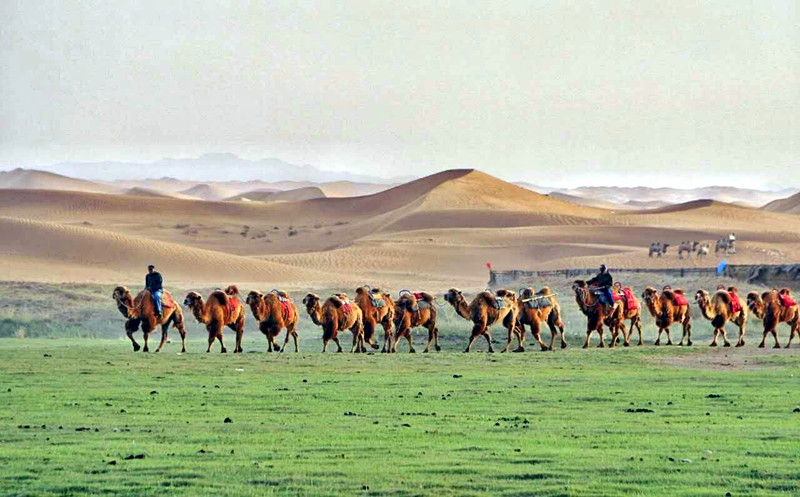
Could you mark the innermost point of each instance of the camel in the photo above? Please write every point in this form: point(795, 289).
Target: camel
point(768, 308)
point(666, 311)
point(704, 250)
point(335, 314)
point(377, 307)
point(484, 311)
point(412, 312)
point(217, 312)
point(634, 315)
point(535, 309)
point(719, 309)
point(142, 311)
point(725, 244)
point(274, 312)
point(598, 314)
point(658, 248)
point(689, 247)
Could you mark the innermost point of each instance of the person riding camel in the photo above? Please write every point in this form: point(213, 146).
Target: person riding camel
point(603, 281)
point(154, 283)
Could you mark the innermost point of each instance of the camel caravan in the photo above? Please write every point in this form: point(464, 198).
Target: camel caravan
point(604, 303)
point(687, 248)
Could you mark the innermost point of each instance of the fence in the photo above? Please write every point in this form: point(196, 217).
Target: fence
point(769, 275)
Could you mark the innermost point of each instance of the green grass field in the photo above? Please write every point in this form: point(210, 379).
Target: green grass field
point(81, 416)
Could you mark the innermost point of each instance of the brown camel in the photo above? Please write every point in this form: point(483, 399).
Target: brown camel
point(535, 309)
point(218, 311)
point(412, 312)
point(274, 312)
point(665, 310)
point(142, 311)
point(598, 314)
point(486, 310)
point(720, 309)
point(335, 314)
point(632, 313)
point(768, 308)
point(377, 307)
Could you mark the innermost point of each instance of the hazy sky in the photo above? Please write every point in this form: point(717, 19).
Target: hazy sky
point(562, 93)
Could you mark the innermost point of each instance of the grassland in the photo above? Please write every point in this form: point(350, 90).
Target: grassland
point(85, 416)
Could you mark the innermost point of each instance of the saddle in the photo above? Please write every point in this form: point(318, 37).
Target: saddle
point(376, 297)
point(786, 300)
point(167, 300)
point(500, 303)
point(736, 305)
point(287, 306)
point(630, 299)
point(538, 303)
point(233, 304)
point(679, 299)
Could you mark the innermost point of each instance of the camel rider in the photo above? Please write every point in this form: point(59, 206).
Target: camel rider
point(153, 282)
point(604, 281)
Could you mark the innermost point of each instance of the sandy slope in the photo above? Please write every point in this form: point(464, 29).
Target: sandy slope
point(42, 180)
point(306, 193)
point(430, 233)
point(789, 205)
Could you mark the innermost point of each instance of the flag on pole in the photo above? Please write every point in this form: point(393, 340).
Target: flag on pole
point(489, 265)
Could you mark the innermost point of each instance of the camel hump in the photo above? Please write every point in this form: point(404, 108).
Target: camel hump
point(220, 296)
point(427, 297)
point(336, 301)
point(733, 289)
point(545, 290)
point(232, 290)
point(678, 290)
point(723, 296)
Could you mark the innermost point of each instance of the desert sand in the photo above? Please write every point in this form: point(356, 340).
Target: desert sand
point(432, 233)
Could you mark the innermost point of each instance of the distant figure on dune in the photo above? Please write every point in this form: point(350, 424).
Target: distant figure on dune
point(154, 283)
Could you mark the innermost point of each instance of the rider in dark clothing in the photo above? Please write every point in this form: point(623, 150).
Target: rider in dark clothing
point(153, 282)
point(604, 281)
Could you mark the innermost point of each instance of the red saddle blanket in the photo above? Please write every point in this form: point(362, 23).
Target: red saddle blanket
point(680, 299)
point(418, 296)
point(617, 296)
point(786, 301)
point(167, 300)
point(736, 305)
point(286, 309)
point(630, 299)
point(347, 307)
point(233, 304)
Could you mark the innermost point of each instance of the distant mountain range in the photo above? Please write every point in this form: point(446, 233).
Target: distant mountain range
point(208, 167)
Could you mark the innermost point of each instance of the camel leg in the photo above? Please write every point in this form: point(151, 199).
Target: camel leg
point(742, 324)
point(431, 335)
point(356, 344)
point(510, 338)
point(211, 339)
point(714, 340)
point(338, 345)
point(764, 339)
point(588, 339)
point(724, 333)
point(400, 333)
point(639, 329)
point(324, 345)
point(436, 338)
point(222, 350)
point(387, 337)
point(669, 338)
point(164, 331)
point(602, 333)
point(410, 343)
point(536, 333)
point(775, 334)
point(146, 341)
point(136, 346)
point(792, 332)
point(658, 338)
point(488, 338)
point(182, 331)
point(477, 330)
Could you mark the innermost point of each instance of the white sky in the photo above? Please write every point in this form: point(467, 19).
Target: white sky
point(678, 93)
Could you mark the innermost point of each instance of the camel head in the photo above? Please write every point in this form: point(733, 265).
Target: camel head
point(650, 294)
point(579, 284)
point(124, 301)
point(702, 297)
point(311, 300)
point(254, 298)
point(453, 296)
point(754, 301)
point(193, 299)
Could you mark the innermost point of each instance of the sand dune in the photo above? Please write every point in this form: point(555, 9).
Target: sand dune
point(433, 232)
point(789, 205)
point(601, 204)
point(207, 191)
point(307, 193)
point(31, 179)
